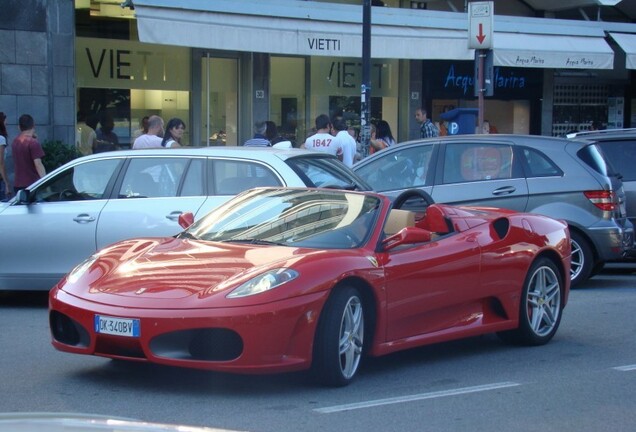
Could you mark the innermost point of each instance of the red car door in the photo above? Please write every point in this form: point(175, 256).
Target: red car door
point(432, 287)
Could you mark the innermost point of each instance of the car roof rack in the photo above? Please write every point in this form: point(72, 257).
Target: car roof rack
point(583, 134)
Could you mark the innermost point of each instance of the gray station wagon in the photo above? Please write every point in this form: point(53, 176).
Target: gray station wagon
point(99, 199)
point(564, 179)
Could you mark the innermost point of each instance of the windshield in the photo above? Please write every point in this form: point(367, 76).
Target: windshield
point(291, 217)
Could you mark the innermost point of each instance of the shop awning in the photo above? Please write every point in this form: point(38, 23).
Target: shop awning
point(552, 51)
point(627, 42)
point(314, 33)
point(331, 29)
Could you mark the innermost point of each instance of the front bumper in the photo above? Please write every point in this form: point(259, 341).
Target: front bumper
point(274, 337)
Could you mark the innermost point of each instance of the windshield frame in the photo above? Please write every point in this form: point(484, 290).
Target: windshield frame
point(293, 217)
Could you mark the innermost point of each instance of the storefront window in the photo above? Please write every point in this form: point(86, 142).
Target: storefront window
point(219, 113)
point(287, 97)
point(336, 89)
point(517, 93)
point(123, 81)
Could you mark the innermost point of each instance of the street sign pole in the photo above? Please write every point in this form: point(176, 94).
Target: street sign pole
point(365, 96)
point(480, 24)
point(480, 99)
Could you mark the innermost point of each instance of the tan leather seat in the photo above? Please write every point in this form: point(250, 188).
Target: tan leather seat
point(399, 219)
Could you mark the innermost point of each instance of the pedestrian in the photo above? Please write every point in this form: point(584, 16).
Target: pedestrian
point(488, 128)
point(107, 139)
point(346, 142)
point(382, 138)
point(27, 154)
point(427, 128)
point(259, 139)
point(143, 128)
point(271, 133)
point(153, 138)
point(174, 132)
point(87, 135)
point(5, 184)
point(596, 125)
point(322, 140)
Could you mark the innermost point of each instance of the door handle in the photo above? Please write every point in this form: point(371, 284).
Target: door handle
point(84, 218)
point(174, 216)
point(506, 190)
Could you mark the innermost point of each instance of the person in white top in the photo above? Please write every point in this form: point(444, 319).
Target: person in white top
point(322, 140)
point(153, 137)
point(174, 132)
point(86, 138)
point(345, 141)
point(5, 187)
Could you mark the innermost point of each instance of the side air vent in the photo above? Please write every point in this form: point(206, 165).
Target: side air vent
point(501, 226)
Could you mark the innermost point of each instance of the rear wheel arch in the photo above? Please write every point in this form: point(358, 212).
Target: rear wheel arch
point(556, 260)
point(540, 306)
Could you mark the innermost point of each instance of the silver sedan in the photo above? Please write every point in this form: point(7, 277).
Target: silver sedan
point(99, 199)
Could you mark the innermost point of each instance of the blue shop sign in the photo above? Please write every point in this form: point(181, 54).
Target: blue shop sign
point(456, 79)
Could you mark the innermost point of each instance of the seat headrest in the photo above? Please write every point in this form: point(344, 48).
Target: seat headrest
point(435, 220)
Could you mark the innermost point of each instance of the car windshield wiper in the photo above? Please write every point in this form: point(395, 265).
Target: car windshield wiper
point(252, 241)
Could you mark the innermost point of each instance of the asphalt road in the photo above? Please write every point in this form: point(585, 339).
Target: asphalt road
point(584, 380)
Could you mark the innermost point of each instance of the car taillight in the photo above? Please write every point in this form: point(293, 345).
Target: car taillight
point(605, 200)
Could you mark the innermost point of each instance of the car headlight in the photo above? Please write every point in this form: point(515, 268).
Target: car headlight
point(264, 282)
point(80, 269)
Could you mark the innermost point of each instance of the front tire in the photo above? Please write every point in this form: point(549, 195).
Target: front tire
point(338, 346)
point(540, 307)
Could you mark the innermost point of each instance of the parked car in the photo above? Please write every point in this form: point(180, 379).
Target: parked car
point(619, 147)
point(99, 199)
point(286, 279)
point(564, 179)
point(77, 422)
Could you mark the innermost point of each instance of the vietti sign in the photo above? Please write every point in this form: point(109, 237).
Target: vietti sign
point(321, 44)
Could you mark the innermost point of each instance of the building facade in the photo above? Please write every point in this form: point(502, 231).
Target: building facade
point(222, 65)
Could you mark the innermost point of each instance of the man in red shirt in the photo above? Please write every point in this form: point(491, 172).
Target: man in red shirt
point(27, 155)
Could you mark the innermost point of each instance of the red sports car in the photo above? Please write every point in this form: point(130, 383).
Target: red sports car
point(284, 279)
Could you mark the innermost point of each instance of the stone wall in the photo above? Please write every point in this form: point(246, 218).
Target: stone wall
point(37, 66)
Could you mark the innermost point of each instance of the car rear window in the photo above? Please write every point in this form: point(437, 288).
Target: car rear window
point(593, 156)
point(622, 156)
point(326, 172)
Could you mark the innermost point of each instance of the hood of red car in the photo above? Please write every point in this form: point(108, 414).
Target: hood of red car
point(171, 269)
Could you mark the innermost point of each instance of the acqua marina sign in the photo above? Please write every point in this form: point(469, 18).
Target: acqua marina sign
point(504, 79)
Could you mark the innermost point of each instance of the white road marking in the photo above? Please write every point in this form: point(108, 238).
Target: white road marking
point(416, 397)
point(625, 368)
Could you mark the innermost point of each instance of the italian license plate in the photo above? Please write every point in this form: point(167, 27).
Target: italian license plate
point(128, 327)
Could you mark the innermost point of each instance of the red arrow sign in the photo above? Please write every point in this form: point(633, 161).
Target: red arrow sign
point(481, 36)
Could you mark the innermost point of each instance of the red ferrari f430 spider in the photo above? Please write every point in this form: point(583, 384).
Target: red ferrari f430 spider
point(286, 279)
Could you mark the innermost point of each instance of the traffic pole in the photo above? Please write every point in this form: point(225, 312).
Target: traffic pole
point(365, 96)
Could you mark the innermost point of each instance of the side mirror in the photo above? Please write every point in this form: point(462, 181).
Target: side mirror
point(408, 235)
point(186, 219)
point(22, 196)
